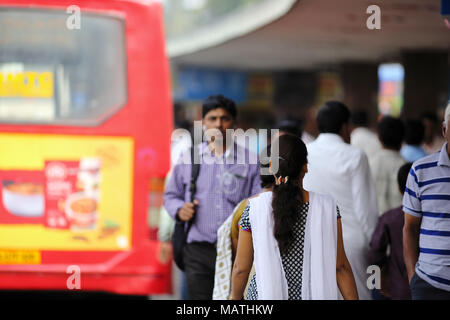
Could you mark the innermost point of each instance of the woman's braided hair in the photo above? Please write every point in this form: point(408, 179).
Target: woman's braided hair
point(287, 195)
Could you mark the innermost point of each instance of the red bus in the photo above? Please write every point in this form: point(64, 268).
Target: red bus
point(85, 124)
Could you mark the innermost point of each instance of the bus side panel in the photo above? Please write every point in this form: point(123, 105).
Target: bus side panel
point(147, 120)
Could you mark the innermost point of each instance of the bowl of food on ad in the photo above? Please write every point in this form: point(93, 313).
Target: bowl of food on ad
point(81, 210)
point(23, 199)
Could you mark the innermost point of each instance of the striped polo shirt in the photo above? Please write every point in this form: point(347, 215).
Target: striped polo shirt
point(427, 196)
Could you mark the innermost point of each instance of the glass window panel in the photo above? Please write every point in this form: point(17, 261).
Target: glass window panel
point(50, 74)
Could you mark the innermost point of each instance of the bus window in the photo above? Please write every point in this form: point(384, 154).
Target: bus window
point(50, 74)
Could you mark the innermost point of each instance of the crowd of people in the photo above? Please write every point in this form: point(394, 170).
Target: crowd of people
point(307, 220)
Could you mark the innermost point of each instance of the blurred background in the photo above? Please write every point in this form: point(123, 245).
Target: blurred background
point(100, 87)
point(285, 58)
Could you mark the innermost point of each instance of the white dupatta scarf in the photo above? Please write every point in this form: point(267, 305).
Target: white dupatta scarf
point(320, 250)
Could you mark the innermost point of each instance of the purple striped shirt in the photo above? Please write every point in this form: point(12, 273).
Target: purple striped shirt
point(222, 183)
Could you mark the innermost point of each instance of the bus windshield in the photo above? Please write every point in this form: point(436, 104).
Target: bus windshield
point(54, 73)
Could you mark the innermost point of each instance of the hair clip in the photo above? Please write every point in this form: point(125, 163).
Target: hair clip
point(278, 180)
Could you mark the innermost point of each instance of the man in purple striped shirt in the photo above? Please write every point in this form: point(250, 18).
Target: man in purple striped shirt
point(222, 183)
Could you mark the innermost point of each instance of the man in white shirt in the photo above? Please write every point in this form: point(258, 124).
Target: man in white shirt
point(386, 162)
point(361, 136)
point(342, 171)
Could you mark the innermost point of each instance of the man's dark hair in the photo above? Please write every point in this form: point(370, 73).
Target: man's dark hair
point(332, 116)
point(402, 176)
point(391, 132)
point(414, 132)
point(359, 118)
point(292, 126)
point(219, 101)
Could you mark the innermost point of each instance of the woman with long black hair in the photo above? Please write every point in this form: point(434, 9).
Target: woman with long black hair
point(293, 237)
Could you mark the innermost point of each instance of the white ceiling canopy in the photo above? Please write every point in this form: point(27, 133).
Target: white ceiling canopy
point(235, 25)
point(289, 34)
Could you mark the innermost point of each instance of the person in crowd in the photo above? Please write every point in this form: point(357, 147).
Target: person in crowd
point(292, 126)
point(288, 126)
point(222, 183)
point(309, 127)
point(426, 241)
point(361, 136)
point(228, 235)
point(414, 135)
point(388, 234)
point(433, 140)
point(295, 127)
point(385, 163)
point(267, 182)
point(342, 171)
point(293, 238)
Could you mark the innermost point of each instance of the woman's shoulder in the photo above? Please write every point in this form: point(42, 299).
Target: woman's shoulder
point(262, 196)
point(325, 203)
point(319, 195)
point(244, 222)
point(263, 193)
point(326, 198)
point(261, 206)
point(240, 207)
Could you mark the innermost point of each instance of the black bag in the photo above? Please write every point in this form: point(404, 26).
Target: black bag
point(182, 228)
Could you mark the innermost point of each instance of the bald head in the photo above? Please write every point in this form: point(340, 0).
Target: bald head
point(446, 127)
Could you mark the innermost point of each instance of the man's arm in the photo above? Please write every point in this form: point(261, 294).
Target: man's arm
point(411, 233)
point(175, 191)
point(364, 197)
point(412, 206)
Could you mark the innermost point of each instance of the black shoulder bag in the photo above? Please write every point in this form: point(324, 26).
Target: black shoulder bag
point(182, 228)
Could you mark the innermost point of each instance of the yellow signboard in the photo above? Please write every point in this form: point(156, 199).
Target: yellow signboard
point(26, 84)
point(65, 192)
point(20, 257)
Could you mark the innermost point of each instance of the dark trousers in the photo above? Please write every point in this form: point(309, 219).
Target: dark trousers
point(199, 267)
point(422, 290)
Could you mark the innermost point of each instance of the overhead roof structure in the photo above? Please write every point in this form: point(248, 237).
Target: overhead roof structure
point(308, 34)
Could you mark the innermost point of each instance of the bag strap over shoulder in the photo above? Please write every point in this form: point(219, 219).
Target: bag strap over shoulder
point(195, 170)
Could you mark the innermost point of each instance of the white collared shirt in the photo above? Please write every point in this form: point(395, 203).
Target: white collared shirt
point(365, 139)
point(384, 166)
point(342, 171)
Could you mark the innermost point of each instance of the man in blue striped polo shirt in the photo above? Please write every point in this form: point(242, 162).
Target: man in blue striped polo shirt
point(426, 232)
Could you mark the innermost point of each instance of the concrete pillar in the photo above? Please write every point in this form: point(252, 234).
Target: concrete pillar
point(425, 83)
point(360, 86)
